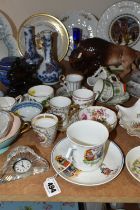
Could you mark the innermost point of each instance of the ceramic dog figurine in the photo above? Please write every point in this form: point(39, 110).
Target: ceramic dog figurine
point(95, 52)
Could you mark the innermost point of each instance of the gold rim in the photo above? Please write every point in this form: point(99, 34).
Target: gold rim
point(63, 28)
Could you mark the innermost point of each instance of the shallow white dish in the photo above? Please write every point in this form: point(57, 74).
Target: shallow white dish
point(119, 21)
point(132, 166)
point(44, 22)
point(86, 21)
point(110, 169)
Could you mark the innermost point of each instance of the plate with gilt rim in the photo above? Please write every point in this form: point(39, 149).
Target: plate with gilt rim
point(111, 167)
point(45, 22)
point(83, 20)
point(120, 24)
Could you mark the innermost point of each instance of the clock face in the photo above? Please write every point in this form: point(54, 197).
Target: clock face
point(22, 166)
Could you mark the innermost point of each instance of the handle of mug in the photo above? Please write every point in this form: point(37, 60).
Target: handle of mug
point(19, 98)
point(62, 78)
point(96, 95)
point(69, 154)
point(113, 78)
point(73, 109)
point(25, 127)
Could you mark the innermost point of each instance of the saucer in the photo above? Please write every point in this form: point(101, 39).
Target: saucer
point(119, 99)
point(109, 170)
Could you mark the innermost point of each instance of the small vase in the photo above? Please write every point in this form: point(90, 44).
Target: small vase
point(77, 36)
point(49, 70)
point(31, 55)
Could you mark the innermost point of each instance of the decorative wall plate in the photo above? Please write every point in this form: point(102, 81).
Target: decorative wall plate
point(8, 44)
point(86, 21)
point(42, 23)
point(120, 24)
point(109, 170)
point(21, 162)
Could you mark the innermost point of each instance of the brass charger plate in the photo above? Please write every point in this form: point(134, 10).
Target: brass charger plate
point(44, 22)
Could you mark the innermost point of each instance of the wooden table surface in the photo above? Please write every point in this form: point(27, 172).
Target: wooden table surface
point(124, 188)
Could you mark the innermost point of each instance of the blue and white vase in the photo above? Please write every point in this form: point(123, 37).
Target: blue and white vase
point(31, 55)
point(49, 70)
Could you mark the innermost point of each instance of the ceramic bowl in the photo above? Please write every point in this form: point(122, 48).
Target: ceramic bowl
point(132, 162)
point(27, 110)
point(101, 114)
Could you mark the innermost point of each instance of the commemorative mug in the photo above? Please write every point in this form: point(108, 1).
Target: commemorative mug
point(62, 107)
point(87, 144)
point(71, 82)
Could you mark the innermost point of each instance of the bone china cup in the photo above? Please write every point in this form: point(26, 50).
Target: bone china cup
point(45, 125)
point(83, 97)
point(40, 93)
point(7, 102)
point(87, 143)
point(71, 81)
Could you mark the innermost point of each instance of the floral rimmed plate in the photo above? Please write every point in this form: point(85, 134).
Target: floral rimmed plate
point(132, 162)
point(85, 21)
point(120, 24)
point(45, 22)
point(101, 114)
point(109, 170)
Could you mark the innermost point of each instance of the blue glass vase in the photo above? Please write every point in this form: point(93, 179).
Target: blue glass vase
point(77, 36)
point(49, 70)
point(31, 55)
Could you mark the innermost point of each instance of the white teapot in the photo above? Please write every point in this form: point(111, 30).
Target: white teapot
point(129, 114)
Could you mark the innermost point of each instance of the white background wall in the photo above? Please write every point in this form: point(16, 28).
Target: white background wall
point(19, 10)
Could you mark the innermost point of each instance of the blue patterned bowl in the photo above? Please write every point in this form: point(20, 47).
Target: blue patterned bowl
point(27, 109)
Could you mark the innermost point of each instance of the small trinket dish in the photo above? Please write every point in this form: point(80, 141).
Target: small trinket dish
point(132, 162)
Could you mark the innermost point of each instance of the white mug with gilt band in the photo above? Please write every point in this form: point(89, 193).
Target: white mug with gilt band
point(83, 97)
point(45, 125)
